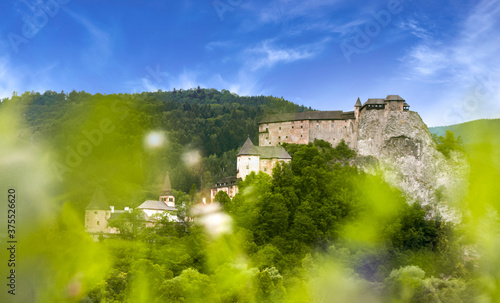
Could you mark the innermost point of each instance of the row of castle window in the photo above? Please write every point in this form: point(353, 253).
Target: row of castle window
point(292, 127)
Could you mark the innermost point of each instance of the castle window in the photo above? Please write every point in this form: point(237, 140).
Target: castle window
point(266, 129)
point(249, 159)
point(279, 137)
point(301, 136)
point(286, 137)
point(301, 126)
point(248, 166)
point(265, 168)
point(267, 138)
point(280, 127)
point(292, 126)
point(269, 143)
point(171, 199)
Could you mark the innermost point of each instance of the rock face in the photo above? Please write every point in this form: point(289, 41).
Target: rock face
point(408, 158)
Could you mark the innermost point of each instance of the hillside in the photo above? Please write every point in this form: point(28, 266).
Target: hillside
point(472, 132)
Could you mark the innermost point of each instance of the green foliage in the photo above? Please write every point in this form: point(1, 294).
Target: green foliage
point(448, 143)
point(223, 198)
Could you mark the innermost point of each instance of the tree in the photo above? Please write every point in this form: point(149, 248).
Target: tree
point(448, 143)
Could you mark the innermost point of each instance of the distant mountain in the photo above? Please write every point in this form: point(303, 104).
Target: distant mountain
point(473, 132)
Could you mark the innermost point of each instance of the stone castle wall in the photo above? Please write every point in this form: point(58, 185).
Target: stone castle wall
point(303, 132)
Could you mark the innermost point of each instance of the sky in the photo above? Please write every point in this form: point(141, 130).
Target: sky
point(442, 57)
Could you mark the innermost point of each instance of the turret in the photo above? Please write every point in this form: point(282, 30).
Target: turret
point(357, 107)
point(167, 195)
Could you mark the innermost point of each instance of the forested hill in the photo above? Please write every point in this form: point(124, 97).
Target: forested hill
point(208, 122)
point(211, 120)
point(472, 132)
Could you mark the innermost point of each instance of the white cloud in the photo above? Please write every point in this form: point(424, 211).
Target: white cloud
point(22, 78)
point(467, 67)
point(265, 54)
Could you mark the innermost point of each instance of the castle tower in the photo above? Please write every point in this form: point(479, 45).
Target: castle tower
point(357, 107)
point(167, 195)
point(247, 160)
point(97, 213)
point(394, 103)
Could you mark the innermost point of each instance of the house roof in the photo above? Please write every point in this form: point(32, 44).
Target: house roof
point(227, 181)
point(98, 201)
point(265, 152)
point(374, 101)
point(155, 205)
point(312, 115)
point(115, 215)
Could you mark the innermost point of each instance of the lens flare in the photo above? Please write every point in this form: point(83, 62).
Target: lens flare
point(154, 139)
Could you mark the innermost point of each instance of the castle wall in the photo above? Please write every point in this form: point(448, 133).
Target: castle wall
point(230, 190)
point(267, 165)
point(303, 132)
point(271, 134)
point(246, 164)
point(394, 106)
point(96, 221)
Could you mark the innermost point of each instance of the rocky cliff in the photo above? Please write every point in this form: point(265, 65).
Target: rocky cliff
point(408, 159)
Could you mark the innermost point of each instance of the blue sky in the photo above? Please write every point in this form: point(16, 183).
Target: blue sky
point(443, 57)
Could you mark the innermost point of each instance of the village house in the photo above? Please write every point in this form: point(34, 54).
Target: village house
point(98, 213)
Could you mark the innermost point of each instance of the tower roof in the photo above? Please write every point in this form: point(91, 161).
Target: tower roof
point(167, 188)
point(98, 201)
point(394, 98)
point(358, 103)
point(265, 152)
point(247, 148)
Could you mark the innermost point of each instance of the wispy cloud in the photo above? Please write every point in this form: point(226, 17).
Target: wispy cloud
point(415, 29)
point(99, 50)
point(465, 64)
point(23, 78)
point(266, 54)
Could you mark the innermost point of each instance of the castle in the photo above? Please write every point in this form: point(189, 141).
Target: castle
point(331, 126)
point(301, 128)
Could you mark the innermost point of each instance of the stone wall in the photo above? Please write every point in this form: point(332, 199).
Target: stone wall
point(96, 221)
point(303, 132)
point(246, 164)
